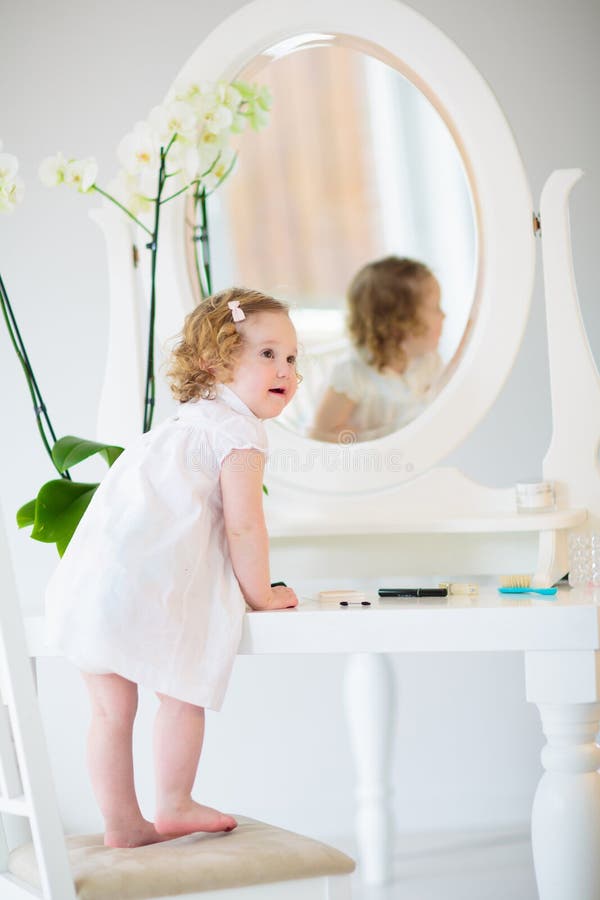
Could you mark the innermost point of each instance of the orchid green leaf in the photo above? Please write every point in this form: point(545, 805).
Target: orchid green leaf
point(59, 507)
point(70, 450)
point(26, 514)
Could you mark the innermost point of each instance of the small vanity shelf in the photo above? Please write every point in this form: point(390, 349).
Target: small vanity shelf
point(477, 543)
point(490, 524)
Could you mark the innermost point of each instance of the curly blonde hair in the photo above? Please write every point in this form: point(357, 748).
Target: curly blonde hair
point(210, 342)
point(383, 304)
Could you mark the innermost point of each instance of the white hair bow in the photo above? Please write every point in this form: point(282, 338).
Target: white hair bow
point(237, 313)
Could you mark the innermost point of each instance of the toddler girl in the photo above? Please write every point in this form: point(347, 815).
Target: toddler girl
point(151, 589)
point(395, 322)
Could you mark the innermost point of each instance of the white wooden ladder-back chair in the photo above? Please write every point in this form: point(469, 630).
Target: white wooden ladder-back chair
point(254, 862)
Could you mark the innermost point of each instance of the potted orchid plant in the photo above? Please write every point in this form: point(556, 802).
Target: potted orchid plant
point(183, 147)
point(60, 503)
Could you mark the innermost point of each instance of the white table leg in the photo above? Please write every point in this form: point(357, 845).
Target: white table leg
point(565, 824)
point(369, 701)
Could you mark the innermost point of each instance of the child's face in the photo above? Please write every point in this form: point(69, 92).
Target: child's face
point(432, 317)
point(265, 374)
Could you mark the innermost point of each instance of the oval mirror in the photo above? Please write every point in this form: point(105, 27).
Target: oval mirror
point(375, 174)
point(265, 34)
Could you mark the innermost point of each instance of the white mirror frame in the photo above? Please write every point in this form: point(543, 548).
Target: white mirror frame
point(503, 209)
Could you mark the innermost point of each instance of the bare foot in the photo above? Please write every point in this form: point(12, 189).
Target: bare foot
point(187, 818)
point(138, 835)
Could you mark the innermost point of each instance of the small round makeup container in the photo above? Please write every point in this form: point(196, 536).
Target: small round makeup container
point(535, 496)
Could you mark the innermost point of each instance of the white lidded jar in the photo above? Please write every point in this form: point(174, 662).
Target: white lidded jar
point(535, 496)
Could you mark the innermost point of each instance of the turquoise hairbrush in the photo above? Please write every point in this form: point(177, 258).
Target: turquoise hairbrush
point(516, 590)
point(521, 584)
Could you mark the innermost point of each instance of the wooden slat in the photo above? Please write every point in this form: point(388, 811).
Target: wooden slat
point(3, 848)
point(34, 764)
point(14, 889)
point(10, 779)
point(15, 806)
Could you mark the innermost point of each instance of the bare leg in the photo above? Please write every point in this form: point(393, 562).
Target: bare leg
point(178, 736)
point(110, 760)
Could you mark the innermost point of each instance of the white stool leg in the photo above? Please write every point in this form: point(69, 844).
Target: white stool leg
point(369, 702)
point(565, 824)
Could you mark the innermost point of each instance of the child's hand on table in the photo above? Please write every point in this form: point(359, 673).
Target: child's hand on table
point(282, 597)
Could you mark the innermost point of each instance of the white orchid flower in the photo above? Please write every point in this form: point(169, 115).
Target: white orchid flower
point(206, 96)
point(258, 118)
point(9, 165)
point(258, 111)
point(127, 190)
point(81, 174)
point(213, 112)
point(258, 101)
point(192, 91)
point(137, 151)
point(191, 164)
point(205, 99)
point(147, 185)
point(5, 204)
point(228, 95)
point(18, 189)
point(11, 185)
point(264, 98)
point(238, 124)
point(232, 98)
point(210, 140)
point(214, 115)
point(255, 94)
point(217, 119)
point(52, 170)
point(185, 159)
point(11, 193)
point(219, 170)
point(177, 117)
point(209, 146)
point(183, 90)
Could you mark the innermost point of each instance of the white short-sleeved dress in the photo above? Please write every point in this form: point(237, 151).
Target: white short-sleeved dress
point(385, 401)
point(146, 588)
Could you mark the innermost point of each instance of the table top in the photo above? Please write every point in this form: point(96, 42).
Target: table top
point(489, 621)
point(486, 622)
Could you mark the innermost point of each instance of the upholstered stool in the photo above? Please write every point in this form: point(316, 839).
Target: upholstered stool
point(254, 859)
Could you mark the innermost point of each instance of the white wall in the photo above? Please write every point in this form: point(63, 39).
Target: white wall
point(76, 77)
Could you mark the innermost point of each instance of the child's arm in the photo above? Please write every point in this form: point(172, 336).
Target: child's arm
point(241, 486)
point(333, 415)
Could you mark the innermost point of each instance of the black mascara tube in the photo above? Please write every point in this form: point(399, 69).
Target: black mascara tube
point(413, 592)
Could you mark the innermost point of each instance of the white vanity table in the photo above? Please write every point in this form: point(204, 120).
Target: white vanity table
point(390, 500)
point(560, 639)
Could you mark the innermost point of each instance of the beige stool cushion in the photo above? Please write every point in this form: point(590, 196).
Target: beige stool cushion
point(254, 853)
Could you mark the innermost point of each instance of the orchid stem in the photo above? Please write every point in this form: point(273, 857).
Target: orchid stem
point(123, 208)
point(176, 194)
point(41, 414)
point(149, 397)
point(201, 237)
